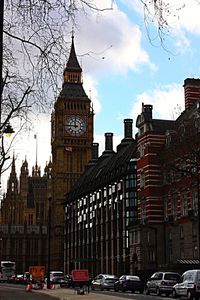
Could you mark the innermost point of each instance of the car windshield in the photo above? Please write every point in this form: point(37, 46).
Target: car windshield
point(172, 276)
point(111, 279)
point(58, 274)
point(135, 278)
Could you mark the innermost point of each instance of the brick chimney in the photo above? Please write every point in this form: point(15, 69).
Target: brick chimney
point(95, 154)
point(128, 131)
point(108, 144)
point(192, 91)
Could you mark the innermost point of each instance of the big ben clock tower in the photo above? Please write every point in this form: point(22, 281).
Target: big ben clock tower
point(71, 139)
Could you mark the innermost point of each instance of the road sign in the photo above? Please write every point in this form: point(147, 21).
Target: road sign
point(37, 272)
point(80, 275)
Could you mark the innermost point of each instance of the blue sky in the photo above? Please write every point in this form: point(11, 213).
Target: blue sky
point(123, 69)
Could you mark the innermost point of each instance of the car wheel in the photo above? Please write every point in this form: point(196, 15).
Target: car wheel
point(116, 289)
point(141, 291)
point(123, 290)
point(147, 292)
point(101, 288)
point(157, 291)
point(189, 295)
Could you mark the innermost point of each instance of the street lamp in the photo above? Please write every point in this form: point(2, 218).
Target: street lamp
point(8, 130)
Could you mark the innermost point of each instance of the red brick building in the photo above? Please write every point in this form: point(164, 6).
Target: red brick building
point(166, 235)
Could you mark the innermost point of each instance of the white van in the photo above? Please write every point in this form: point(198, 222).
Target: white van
point(56, 276)
point(188, 286)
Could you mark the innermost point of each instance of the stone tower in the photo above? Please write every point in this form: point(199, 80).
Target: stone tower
point(71, 139)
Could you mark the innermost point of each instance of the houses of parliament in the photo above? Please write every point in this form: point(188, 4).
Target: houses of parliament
point(24, 217)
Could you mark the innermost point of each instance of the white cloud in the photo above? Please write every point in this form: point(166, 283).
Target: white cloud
point(181, 16)
point(167, 101)
point(90, 86)
point(111, 43)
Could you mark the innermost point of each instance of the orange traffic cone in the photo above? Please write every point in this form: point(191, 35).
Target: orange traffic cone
point(29, 287)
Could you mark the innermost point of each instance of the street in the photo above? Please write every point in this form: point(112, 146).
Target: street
point(132, 296)
point(18, 292)
point(10, 292)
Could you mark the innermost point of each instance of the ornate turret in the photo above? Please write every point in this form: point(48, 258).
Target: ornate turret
point(12, 181)
point(72, 72)
point(72, 87)
point(48, 169)
point(24, 180)
point(36, 171)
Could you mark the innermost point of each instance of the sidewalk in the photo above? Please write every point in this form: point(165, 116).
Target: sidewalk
point(70, 294)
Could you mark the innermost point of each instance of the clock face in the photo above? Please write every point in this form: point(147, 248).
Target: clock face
point(75, 125)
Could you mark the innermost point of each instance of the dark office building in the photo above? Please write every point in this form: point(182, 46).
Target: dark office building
point(101, 207)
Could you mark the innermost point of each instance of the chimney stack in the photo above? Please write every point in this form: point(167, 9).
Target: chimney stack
point(95, 150)
point(108, 143)
point(128, 131)
point(192, 91)
point(95, 154)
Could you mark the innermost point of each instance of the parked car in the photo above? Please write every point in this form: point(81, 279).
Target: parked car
point(162, 283)
point(129, 283)
point(67, 281)
point(188, 286)
point(20, 278)
point(55, 277)
point(104, 282)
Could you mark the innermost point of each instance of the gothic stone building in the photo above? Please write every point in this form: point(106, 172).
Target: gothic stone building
point(25, 209)
point(24, 216)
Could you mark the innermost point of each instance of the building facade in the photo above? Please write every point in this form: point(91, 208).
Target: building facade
point(166, 235)
point(101, 207)
point(24, 217)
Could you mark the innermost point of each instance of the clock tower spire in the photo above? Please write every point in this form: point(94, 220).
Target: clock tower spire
point(71, 140)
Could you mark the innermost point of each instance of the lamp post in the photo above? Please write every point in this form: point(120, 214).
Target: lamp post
point(49, 244)
point(198, 204)
point(1, 52)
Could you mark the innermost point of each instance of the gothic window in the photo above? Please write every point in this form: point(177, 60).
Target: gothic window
point(184, 204)
point(195, 202)
point(195, 251)
point(151, 254)
point(141, 149)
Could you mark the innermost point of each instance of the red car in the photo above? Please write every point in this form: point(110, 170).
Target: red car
point(129, 283)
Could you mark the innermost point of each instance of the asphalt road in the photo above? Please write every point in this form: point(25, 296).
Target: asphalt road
point(16, 292)
point(133, 296)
